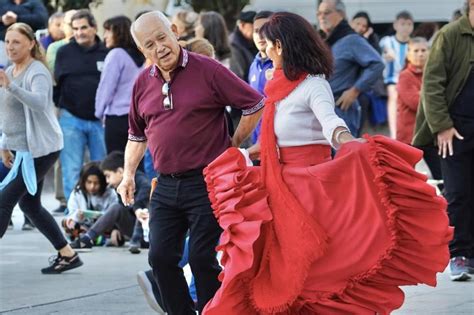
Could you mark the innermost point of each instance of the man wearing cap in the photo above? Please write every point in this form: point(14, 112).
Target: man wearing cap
point(177, 110)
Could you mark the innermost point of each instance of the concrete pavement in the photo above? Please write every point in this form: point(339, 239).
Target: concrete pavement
point(106, 284)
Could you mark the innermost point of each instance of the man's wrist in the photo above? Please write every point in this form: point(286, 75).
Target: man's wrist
point(235, 142)
point(355, 90)
point(129, 172)
point(128, 176)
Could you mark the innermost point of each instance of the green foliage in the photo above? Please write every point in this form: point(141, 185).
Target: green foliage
point(55, 5)
point(229, 9)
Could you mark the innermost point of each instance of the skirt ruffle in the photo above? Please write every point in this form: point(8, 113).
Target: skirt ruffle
point(412, 224)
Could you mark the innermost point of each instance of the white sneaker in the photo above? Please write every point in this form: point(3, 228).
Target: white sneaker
point(147, 289)
point(459, 269)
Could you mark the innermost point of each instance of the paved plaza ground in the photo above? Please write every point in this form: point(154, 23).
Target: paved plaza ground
point(106, 284)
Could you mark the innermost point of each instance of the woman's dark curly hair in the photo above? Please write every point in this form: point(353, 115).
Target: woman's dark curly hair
point(303, 49)
point(91, 169)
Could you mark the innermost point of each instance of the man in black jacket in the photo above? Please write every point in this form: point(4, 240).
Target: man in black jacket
point(77, 72)
point(242, 45)
point(31, 12)
point(243, 51)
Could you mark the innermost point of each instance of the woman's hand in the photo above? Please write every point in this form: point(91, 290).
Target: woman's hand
point(254, 151)
point(7, 158)
point(4, 79)
point(347, 137)
point(342, 135)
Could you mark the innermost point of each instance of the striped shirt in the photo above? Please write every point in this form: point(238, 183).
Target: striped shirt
point(393, 68)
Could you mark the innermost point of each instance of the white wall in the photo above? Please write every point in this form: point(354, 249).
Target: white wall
point(130, 8)
point(380, 11)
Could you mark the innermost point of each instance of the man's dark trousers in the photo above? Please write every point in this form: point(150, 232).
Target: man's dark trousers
point(458, 175)
point(178, 204)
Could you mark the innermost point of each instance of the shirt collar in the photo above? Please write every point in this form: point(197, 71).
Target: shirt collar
point(260, 60)
point(88, 49)
point(182, 63)
point(414, 69)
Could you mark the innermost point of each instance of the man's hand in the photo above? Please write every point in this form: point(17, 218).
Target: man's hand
point(142, 215)
point(9, 18)
point(347, 98)
point(126, 190)
point(389, 55)
point(7, 158)
point(445, 141)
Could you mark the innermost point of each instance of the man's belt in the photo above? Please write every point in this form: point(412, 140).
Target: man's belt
point(190, 173)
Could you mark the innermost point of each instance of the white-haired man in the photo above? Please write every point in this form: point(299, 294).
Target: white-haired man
point(357, 64)
point(177, 110)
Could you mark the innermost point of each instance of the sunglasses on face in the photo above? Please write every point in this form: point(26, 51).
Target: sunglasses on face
point(167, 101)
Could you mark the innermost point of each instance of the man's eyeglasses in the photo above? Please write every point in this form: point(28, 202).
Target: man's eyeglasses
point(167, 101)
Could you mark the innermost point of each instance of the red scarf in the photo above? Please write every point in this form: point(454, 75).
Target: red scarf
point(293, 239)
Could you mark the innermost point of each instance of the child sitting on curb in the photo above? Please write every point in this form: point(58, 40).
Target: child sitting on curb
point(89, 200)
point(119, 216)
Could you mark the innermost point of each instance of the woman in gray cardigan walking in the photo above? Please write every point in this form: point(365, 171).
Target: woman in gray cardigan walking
point(31, 140)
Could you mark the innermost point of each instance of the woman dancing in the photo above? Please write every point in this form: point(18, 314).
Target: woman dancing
point(307, 234)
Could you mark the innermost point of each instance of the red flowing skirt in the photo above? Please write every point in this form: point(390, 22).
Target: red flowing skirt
point(385, 226)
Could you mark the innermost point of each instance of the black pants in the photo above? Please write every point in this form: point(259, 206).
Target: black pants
point(458, 174)
point(16, 192)
point(176, 206)
point(364, 102)
point(116, 216)
point(116, 133)
point(432, 160)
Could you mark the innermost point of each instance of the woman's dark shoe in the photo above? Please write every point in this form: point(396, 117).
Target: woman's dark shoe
point(58, 264)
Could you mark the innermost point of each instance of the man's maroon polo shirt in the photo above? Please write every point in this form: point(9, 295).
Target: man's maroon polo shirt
point(194, 133)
